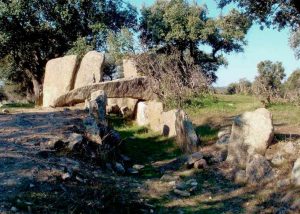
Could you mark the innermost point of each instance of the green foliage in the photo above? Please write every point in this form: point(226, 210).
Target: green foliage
point(177, 23)
point(293, 82)
point(120, 44)
point(268, 83)
point(33, 32)
point(278, 13)
point(269, 12)
point(232, 88)
point(242, 87)
point(80, 47)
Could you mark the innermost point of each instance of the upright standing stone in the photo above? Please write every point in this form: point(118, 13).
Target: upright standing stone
point(296, 173)
point(90, 70)
point(168, 121)
point(98, 106)
point(186, 137)
point(129, 68)
point(251, 133)
point(59, 78)
point(141, 114)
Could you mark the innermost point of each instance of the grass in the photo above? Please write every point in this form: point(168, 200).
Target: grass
point(17, 105)
point(144, 146)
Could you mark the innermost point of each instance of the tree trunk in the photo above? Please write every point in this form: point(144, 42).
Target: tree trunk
point(37, 88)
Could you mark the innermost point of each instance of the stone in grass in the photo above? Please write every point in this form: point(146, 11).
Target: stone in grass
point(194, 158)
point(5, 111)
point(120, 168)
point(182, 193)
point(200, 164)
point(296, 173)
point(74, 141)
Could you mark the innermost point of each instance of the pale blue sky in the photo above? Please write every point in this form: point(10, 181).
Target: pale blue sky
point(268, 44)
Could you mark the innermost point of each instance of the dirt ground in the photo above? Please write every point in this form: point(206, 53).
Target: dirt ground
point(31, 177)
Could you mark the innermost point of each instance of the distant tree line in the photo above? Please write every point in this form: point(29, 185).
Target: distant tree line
point(269, 84)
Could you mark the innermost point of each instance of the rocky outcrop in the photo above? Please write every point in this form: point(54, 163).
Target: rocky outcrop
point(251, 133)
point(90, 69)
point(186, 137)
point(136, 88)
point(129, 68)
point(59, 78)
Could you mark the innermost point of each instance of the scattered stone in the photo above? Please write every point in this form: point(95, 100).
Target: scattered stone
point(54, 87)
point(5, 111)
point(66, 176)
point(258, 170)
point(132, 171)
point(289, 148)
point(278, 160)
point(138, 167)
point(14, 209)
point(296, 173)
point(74, 141)
point(115, 105)
point(90, 70)
point(120, 168)
point(182, 193)
point(200, 164)
point(186, 137)
point(223, 140)
point(224, 132)
point(194, 158)
point(169, 178)
point(283, 183)
point(240, 177)
point(251, 133)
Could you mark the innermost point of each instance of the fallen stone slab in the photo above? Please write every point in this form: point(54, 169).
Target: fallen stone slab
point(136, 88)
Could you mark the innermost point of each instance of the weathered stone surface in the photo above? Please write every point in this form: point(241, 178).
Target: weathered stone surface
point(258, 170)
point(296, 173)
point(200, 164)
point(194, 158)
point(59, 78)
point(186, 137)
point(251, 133)
point(98, 106)
point(168, 120)
point(240, 177)
point(129, 68)
point(90, 69)
point(74, 141)
point(154, 112)
point(149, 113)
point(136, 88)
point(115, 105)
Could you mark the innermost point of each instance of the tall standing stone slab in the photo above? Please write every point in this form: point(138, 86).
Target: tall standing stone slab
point(90, 70)
point(59, 78)
point(130, 68)
point(186, 137)
point(251, 133)
point(168, 121)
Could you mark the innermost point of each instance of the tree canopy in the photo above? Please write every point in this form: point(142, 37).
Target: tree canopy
point(32, 32)
point(177, 23)
point(277, 13)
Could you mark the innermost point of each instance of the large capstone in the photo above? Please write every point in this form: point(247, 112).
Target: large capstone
point(136, 88)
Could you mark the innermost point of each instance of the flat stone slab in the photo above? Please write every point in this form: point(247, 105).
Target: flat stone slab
point(136, 88)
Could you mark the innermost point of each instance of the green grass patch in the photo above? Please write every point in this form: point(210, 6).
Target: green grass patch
point(207, 133)
point(145, 146)
point(18, 105)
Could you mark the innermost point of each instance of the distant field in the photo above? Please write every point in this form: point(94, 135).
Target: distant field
point(218, 111)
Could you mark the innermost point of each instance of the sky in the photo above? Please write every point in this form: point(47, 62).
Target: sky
point(267, 44)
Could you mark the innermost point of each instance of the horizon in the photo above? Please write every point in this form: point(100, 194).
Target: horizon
point(244, 64)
